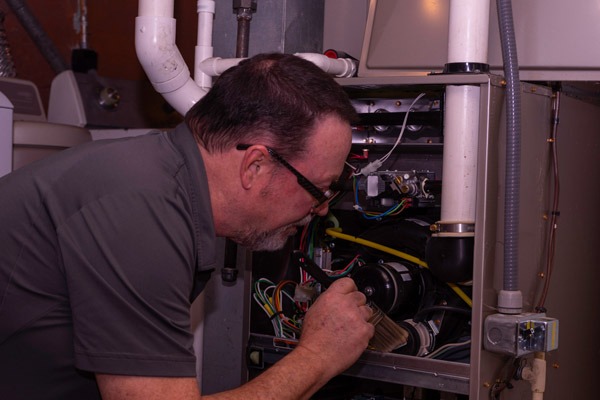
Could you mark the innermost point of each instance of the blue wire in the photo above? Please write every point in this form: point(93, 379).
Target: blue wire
point(360, 209)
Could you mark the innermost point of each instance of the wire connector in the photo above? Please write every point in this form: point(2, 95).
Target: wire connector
point(370, 168)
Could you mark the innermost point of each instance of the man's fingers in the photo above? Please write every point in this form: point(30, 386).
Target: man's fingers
point(343, 285)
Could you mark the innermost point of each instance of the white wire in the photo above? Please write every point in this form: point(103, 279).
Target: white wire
point(376, 164)
point(277, 328)
point(445, 347)
point(385, 157)
point(263, 299)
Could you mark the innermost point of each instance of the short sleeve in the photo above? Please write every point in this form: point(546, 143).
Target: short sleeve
point(129, 263)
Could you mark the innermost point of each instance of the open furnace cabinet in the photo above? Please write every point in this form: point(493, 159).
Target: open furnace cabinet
point(394, 207)
point(444, 357)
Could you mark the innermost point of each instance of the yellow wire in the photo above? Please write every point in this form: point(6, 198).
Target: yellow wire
point(335, 232)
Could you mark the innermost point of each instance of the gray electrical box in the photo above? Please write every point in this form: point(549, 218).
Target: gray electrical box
point(518, 335)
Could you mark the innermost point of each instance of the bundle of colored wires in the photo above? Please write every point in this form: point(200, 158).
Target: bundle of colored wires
point(390, 212)
point(309, 232)
point(340, 273)
point(270, 299)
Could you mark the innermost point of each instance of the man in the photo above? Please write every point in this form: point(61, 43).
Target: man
point(105, 246)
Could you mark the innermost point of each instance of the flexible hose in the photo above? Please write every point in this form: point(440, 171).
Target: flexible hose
point(37, 33)
point(513, 144)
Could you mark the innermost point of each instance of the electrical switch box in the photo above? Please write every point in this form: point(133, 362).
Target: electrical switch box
point(521, 334)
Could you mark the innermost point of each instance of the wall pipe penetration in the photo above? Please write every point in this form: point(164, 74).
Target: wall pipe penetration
point(164, 65)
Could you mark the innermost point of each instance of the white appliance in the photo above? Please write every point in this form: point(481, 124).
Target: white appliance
point(25, 134)
point(109, 108)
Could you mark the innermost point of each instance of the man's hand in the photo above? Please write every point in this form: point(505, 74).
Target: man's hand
point(334, 334)
point(335, 329)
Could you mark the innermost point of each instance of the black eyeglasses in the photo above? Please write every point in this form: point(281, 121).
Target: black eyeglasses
point(322, 197)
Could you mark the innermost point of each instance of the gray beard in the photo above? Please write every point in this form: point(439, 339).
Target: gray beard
point(269, 240)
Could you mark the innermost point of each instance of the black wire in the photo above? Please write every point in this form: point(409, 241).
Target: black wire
point(504, 380)
point(441, 308)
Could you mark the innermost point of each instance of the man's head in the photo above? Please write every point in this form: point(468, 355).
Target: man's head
point(274, 99)
point(274, 132)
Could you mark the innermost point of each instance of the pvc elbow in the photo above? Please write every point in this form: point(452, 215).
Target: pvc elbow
point(163, 63)
point(340, 67)
point(185, 96)
point(158, 54)
point(215, 66)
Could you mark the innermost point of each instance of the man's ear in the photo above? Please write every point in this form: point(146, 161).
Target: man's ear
point(255, 165)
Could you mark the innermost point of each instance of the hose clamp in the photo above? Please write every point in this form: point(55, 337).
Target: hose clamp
point(453, 227)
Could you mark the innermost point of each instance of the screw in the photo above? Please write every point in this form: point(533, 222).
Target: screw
point(555, 365)
point(487, 385)
point(541, 275)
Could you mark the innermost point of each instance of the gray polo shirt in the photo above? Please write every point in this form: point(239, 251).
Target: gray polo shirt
point(103, 248)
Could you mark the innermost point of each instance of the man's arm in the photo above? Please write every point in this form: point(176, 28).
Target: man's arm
point(334, 335)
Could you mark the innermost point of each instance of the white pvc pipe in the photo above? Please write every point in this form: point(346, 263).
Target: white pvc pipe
point(467, 43)
point(468, 31)
point(340, 67)
point(204, 48)
point(459, 174)
point(215, 66)
point(156, 8)
point(164, 65)
point(159, 56)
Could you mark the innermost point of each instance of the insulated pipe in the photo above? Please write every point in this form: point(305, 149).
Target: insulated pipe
point(510, 298)
point(159, 56)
